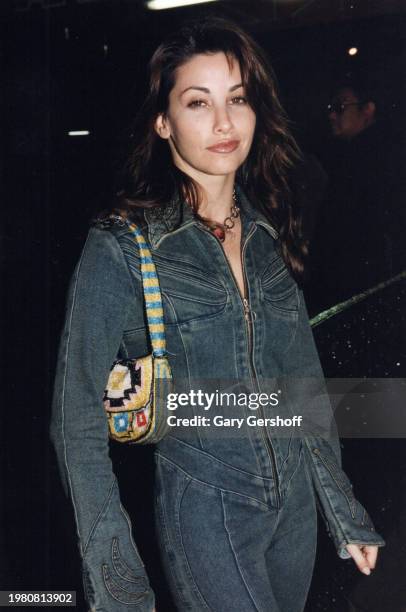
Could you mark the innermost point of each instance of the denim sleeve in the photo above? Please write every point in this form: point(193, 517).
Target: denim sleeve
point(346, 519)
point(100, 295)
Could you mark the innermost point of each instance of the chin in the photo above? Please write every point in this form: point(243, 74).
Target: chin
point(218, 171)
point(225, 166)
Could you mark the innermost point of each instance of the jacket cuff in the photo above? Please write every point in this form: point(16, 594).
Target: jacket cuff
point(346, 519)
point(114, 576)
point(343, 552)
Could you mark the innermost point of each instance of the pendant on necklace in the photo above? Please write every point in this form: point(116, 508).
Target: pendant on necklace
point(219, 233)
point(219, 230)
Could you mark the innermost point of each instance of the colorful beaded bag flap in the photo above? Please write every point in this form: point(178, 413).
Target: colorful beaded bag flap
point(136, 393)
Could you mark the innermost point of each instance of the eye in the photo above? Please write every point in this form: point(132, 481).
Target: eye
point(196, 104)
point(239, 100)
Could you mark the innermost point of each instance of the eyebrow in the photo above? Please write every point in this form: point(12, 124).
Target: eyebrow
point(206, 90)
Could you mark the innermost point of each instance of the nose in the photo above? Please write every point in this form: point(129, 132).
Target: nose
point(222, 120)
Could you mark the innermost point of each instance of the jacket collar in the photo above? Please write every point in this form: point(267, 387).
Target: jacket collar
point(178, 215)
point(253, 214)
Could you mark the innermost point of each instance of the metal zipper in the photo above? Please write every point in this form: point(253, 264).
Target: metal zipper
point(248, 321)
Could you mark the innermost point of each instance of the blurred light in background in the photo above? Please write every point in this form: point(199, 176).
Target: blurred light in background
point(158, 5)
point(352, 51)
point(79, 133)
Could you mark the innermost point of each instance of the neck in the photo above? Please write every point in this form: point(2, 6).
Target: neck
point(217, 198)
point(216, 192)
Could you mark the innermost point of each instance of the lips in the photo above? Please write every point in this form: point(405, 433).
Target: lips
point(227, 146)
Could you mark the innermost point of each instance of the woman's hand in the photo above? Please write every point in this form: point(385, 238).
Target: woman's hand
point(364, 556)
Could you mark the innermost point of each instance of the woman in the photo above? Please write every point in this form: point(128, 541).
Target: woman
point(235, 499)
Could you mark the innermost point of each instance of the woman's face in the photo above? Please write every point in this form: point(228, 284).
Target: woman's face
point(209, 124)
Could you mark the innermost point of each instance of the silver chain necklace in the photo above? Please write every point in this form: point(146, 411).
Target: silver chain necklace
point(220, 229)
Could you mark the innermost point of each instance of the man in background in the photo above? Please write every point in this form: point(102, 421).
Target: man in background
point(358, 239)
point(359, 242)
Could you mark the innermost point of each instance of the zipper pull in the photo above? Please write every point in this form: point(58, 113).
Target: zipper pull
point(249, 314)
point(247, 309)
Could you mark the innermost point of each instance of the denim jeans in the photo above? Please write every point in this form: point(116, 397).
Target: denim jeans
point(223, 548)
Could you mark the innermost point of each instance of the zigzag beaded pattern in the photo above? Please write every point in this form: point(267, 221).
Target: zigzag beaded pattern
point(152, 294)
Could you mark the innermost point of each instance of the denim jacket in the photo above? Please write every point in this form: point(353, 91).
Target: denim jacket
point(215, 339)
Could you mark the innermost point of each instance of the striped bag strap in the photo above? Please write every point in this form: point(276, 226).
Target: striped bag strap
point(152, 294)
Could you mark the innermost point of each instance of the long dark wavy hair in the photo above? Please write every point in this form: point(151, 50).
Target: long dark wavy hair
point(150, 178)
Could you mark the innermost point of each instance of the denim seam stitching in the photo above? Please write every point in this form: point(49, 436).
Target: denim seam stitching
point(123, 511)
point(294, 471)
point(183, 273)
point(271, 230)
point(330, 471)
point(132, 330)
point(132, 264)
point(172, 262)
point(134, 579)
point(131, 273)
point(268, 283)
point(334, 519)
point(156, 244)
point(111, 577)
point(183, 345)
point(186, 358)
point(202, 482)
point(273, 260)
point(97, 519)
point(64, 389)
point(288, 455)
point(297, 319)
point(188, 298)
point(203, 601)
point(291, 312)
point(361, 543)
point(235, 555)
point(223, 307)
point(215, 459)
point(139, 597)
point(200, 318)
point(244, 497)
point(168, 299)
point(288, 292)
point(162, 521)
point(167, 544)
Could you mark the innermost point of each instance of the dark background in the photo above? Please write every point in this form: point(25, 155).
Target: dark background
point(71, 65)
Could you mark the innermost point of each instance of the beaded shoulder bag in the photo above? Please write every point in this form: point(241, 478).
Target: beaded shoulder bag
point(136, 393)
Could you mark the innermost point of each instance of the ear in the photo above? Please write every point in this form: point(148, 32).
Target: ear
point(162, 126)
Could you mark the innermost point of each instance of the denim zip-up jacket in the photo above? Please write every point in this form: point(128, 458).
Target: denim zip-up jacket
point(216, 341)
